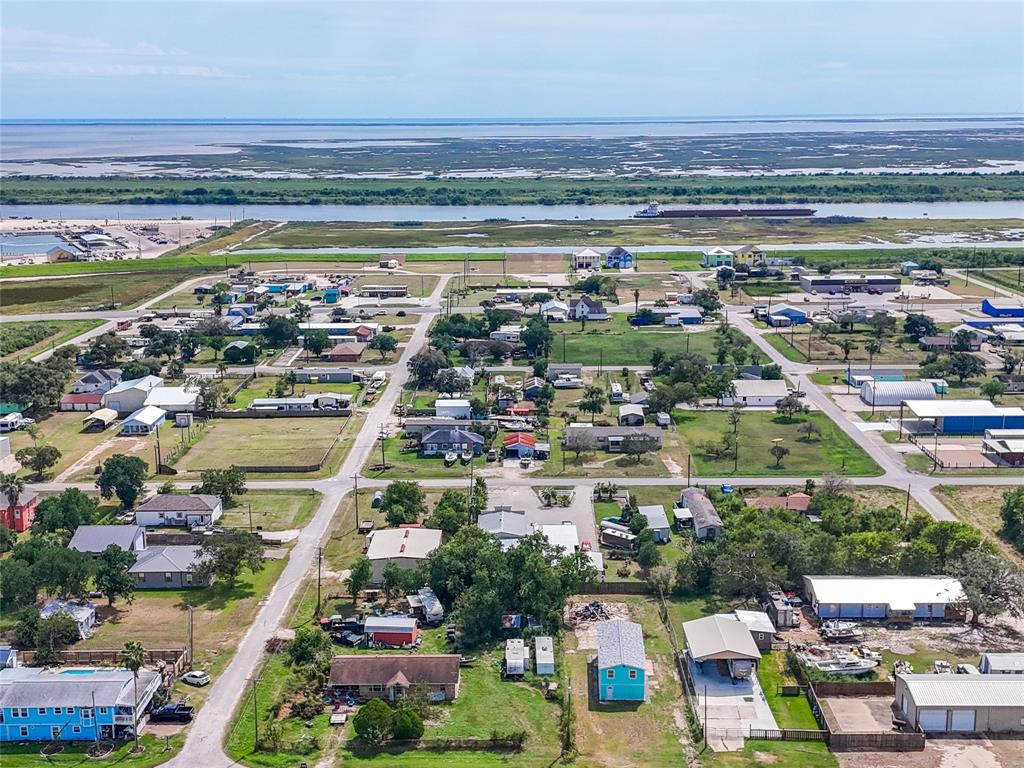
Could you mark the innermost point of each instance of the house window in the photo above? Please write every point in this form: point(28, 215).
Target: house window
point(188, 578)
point(87, 713)
point(23, 712)
point(57, 710)
point(24, 731)
point(632, 674)
point(141, 577)
point(610, 674)
point(167, 578)
point(375, 688)
point(42, 710)
point(75, 729)
point(103, 710)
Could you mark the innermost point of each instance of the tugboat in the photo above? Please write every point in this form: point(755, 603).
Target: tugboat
point(655, 211)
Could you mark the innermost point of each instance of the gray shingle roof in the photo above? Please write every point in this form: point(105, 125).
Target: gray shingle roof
point(503, 520)
point(47, 687)
point(173, 502)
point(177, 558)
point(453, 436)
point(620, 642)
point(704, 514)
point(96, 538)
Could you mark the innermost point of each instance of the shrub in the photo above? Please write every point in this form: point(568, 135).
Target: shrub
point(373, 721)
point(407, 725)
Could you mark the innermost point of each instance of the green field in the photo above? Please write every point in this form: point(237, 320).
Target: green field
point(74, 293)
point(272, 510)
point(23, 340)
point(832, 451)
point(157, 751)
point(615, 343)
point(264, 387)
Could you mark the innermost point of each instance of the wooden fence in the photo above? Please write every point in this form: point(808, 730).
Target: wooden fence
point(176, 659)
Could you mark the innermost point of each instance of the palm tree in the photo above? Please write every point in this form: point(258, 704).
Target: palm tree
point(873, 347)
point(12, 486)
point(133, 656)
point(636, 300)
point(549, 496)
point(847, 346)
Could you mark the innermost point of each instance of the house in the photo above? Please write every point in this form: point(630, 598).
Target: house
point(1002, 664)
point(618, 258)
point(96, 538)
point(346, 352)
point(20, 515)
point(760, 625)
point(750, 255)
point(83, 613)
point(452, 408)
point(101, 380)
point(174, 399)
point(706, 522)
point(518, 445)
point(631, 415)
point(888, 598)
point(325, 376)
point(716, 257)
point(533, 386)
point(758, 393)
point(564, 370)
point(130, 396)
point(240, 352)
point(799, 502)
point(948, 343)
point(179, 509)
point(722, 639)
point(657, 521)
point(441, 441)
point(611, 438)
point(675, 316)
point(961, 703)
point(394, 631)
point(554, 311)
point(544, 655)
point(144, 421)
point(621, 661)
point(406, 547)
point(1004, 446)
point(83, 704)
point(517, 658)
point(1000, 307)
point(242, 311)
point(563, 537)
point(587, 259)
point(507, 524)
point(962, 417)
point(64, 252)
point(84, 401)
point(586, 308)
point(1014, 383)
point(388, 676)
point(322, 401)
point(891, 393)
point(509, 333)
point(168, 567)
point(785, 315)
point(908, 266)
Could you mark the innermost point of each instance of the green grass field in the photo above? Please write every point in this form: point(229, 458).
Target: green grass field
point(74, 293)
point(271, 510)
point(615, 343)
point(157, 751)
point(832, 451)
point(24, 340)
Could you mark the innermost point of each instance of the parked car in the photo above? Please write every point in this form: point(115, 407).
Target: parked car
point(400, 313)
point(172, 713)
point(585, 546)
point(526, 462)
point(196, 677)
point(492, 455)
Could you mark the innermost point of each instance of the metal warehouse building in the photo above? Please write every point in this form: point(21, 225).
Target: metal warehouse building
point(890, 393)
point(838, 282)
point(895, 598)
point(962, 703)
point(962, 417)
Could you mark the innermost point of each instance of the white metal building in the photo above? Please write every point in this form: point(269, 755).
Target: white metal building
point(962, 703)
point(756, 392)
point(892, 393)
point(904, 598)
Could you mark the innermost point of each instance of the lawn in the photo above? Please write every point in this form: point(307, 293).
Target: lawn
point(419, 286)
point(794, 345)
point(405, 466)
point(157, 751)
point(272, 510)
point(979, 505)
point(263, 443)
point(264, 387)
point(21, 341)
point(831, 451)
point(63, 429)
point(73, 293)
point(614, 343)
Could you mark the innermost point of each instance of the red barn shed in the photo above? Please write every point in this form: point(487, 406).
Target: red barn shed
point(391, 630)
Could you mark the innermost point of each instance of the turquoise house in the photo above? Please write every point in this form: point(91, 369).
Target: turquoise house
point(621, 661)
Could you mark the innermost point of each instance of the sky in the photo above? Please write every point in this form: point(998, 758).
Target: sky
point(229, 59)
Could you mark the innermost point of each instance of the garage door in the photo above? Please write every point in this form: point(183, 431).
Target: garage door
point(932, 720)
point(963, 720)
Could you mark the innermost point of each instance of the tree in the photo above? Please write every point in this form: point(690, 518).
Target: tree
point(964, 365)
point(779, 452)
point(593, 401)
point(882, 325)
point(123, 476)
point(448, 381)
point(873, 347)
point(536, 337)
point(847, 346)
point(136, 369)
point(919, 326)
point(190, 342)
point(789, 406)
point(991, 585)
point(992, 389)
point(1011, 362)
point(106, 349)
point(450, 513)
point(374, 721)
point(112, 576)
point(8, 538)
point(212, 394)
point(65, 573)
point(638, 444)
point(65, 512)
point(403, 502)
point(11, 486)
point(648, 555)
point(225, 483)
point(384, 343)
point(18, 586)
point(425, 364)
point(809, 429)
point(216, 342)
point(359, 576)
point(578, 441)
point(280, 331)
point(164, 344)
point(52, 635)
point(962, 340)
point(317, 341)
point(407, 724)
point(309, 645)
point(1012, 515)
point(301, 311)
point(708, 301)
point(224, 555)
point(133, 656)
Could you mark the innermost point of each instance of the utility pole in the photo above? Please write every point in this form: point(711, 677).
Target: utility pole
point(95, 721)
point(255, 716)
point(355, 479)
point(906, 511)
point(319, 570)
point(191, 634)
point(250, 517)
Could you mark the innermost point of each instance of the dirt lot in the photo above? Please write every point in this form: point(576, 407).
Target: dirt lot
point(943, 753)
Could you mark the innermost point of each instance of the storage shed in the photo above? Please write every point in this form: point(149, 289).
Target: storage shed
point(391, 630)
point(892, 393)
point(722, 638)
point(962, 703)
point(657, 521)
point(544, 655)
point(1002, 664)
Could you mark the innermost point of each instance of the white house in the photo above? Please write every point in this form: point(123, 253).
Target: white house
point(452, 408)
point(143, 421)
point(131, 395)
point(179, 509)
point(562, 536)
point(756, 392)
point(588, 258)
point(586, 308)
point(174, 399)
point(509, 333)
point(100, 380)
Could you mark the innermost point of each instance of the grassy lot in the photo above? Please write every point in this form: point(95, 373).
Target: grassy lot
point(272, 510)
point(63, 429)
point(614, 343)
point(158, 618)
point(833, 450)
point(262, 442)
point(411, 465)
point(157, 751)
point(793, 344)
point(979, 505)
point(74, 293)
point(22, 341)
point(418, 285)
point(264, 387)
point(1004, 278)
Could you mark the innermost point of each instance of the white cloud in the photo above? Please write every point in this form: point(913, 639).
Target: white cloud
point(42, 41)
point(75, 69)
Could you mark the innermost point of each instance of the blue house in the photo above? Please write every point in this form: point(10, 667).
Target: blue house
point(331, 295)
point(57, 704)
point(997, 307)
point(618, 258)
point(908, 266)
point(621, 661)
point(783, 314)
point(241, 310)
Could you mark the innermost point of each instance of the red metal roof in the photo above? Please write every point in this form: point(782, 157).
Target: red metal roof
point(82, 397)
point(519, 438)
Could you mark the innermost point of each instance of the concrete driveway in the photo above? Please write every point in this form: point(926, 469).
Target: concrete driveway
point(580, 510)
point(729, 708)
